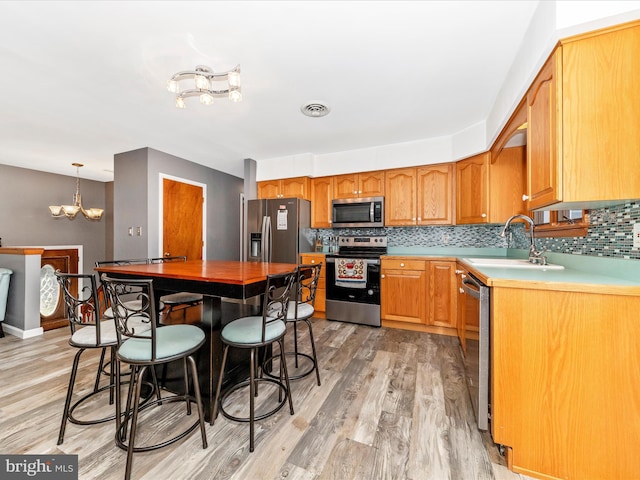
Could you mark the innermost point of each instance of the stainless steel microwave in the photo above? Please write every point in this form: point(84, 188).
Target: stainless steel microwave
point(358, 212)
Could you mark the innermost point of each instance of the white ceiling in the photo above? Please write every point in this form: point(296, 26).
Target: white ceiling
point(83, 81)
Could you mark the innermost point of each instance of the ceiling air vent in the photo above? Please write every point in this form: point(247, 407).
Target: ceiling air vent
point(315, 109)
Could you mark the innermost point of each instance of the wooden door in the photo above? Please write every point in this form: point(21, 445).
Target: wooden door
point(371, 184)
point(544, 174)
point(435, 195)
point(321, 196)
point(472, 185)
point(52, 308)
point(182, 219)
point(400, 201)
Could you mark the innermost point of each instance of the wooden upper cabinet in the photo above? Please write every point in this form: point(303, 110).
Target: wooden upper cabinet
point(419, 196)
point(435, 194)
point(359, 185)
point(321, 196)
point(400, 200)
point(583, 123)
point(490, 190)
point(472, 189)
point(543, 172)
point(296, 187)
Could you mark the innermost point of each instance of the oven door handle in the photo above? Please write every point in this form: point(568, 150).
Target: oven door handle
point(367, 261)
point(471, 287)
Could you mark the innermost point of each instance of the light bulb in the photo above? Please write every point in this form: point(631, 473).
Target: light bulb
point(180, 102)
point(206, 99)
point(235, 95)
point(56, 210)
point(234, 79)
point(202, 82)
point(172, 86)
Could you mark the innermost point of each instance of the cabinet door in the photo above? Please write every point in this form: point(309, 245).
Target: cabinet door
point(403, 295)
point(321, 196)
point(400, 201)
point(345, 186)
point(442, 294)
point(435, 195)
point(371, 184)
point(297, 187)
point(543, 170)
point(472, 196)
point(321, 293)
point(269, 189)
point(461, 306)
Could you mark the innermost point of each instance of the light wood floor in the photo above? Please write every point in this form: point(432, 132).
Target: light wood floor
point(392, 405)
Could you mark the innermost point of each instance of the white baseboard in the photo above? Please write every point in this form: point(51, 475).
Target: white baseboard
point(22, 334)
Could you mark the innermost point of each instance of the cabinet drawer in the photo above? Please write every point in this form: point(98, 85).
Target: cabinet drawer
point(313, 260)
point(404, 264)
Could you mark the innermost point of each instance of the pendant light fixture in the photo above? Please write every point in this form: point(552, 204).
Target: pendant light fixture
point(70, 211)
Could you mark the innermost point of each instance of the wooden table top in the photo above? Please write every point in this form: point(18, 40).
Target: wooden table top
point(208, 271)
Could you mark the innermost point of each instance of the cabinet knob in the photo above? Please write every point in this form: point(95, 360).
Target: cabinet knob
point(484, 215)
point(525, 197)
point(402, 264)
point(359, 192)
point(458, 272)
point(462, 290)
point(419, 219)
point(382, 276)
point(313, 261)
point(413, 219)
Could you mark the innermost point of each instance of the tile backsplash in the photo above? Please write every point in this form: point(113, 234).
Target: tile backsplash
point(609, 235)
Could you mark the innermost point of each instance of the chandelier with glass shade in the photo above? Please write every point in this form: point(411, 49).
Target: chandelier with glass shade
point(70, 211)
point(204, 85)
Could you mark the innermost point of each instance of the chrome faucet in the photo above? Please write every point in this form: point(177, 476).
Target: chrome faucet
point(535, 255)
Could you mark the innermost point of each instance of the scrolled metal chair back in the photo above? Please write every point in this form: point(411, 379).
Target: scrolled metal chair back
point(84, 308)
point(279, 292)
point(133, 305)
point(308, 276)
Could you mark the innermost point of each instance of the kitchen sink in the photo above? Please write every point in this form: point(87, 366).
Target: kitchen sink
point(511, 263)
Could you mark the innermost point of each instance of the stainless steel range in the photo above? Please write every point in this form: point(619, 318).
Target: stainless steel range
point(353, 280)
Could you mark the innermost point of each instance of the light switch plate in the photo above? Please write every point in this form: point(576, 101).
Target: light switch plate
point(636, 235)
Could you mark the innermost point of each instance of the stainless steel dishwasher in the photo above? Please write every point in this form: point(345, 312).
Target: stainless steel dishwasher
point(476, 358)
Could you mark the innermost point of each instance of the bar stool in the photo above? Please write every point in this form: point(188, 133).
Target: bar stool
point(145, 350)
point(256, 332)
point(302, 310)
point(88, 331)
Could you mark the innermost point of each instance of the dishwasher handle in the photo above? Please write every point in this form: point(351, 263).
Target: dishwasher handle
point(471, 286)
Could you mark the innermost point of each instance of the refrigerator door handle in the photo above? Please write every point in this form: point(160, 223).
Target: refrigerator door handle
point(269, 240)
point(265, 255)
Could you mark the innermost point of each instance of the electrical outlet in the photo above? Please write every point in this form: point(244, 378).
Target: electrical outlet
point(636, 235)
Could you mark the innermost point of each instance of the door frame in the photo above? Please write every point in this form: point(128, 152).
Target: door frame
point(161, 177)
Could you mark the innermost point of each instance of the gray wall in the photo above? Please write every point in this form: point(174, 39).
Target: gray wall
point(136, 203)
point(25, 220)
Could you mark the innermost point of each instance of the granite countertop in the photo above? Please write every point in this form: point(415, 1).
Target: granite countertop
point(580, 273)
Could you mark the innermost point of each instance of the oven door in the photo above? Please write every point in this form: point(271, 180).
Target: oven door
point(476, 358)
point(369, 294)
point(354, 304)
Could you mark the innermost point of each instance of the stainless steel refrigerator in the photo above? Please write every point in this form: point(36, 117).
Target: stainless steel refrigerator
point(278, 230)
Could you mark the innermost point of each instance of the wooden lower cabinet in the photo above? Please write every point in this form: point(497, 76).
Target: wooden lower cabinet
point(419, 294)
point(403, 288)
point(468, 312)
point(321, 293)
point(565, 382)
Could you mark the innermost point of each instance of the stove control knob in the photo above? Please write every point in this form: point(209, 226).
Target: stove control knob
point(370, 292)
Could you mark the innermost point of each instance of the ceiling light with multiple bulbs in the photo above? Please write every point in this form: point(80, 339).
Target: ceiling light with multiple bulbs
point(203, 82)
point(70, 211)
